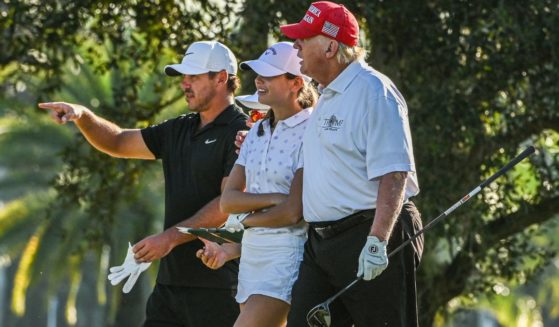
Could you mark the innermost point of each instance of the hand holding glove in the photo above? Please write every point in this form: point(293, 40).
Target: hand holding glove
point(129, 268)
point(373, 258)
point(234, 222)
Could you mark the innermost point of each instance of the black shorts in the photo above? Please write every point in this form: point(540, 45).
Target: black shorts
point(330, 263)
point(191, 307)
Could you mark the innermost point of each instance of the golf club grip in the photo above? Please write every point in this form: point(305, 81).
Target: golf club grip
point(530, 150)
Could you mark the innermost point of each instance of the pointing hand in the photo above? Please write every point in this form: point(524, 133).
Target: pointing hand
point(62, 112)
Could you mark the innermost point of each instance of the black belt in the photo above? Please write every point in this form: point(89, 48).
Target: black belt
point(327, 229)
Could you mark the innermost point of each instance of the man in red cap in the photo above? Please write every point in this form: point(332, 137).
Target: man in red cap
point(358, 180)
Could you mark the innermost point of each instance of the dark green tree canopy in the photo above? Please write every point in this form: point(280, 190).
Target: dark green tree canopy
point(479, 78)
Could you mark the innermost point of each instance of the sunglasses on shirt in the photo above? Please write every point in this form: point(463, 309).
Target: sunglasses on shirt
point(256, 115)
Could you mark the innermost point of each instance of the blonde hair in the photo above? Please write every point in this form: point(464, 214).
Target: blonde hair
point(345, 54)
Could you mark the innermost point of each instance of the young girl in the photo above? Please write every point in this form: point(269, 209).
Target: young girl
point(270, 168)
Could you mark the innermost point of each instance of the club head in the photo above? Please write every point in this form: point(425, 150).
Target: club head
point(319, 316)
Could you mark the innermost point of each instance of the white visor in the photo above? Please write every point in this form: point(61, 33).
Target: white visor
point(251, 102)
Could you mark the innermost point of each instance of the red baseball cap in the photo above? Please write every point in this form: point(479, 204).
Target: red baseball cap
point(325, 18)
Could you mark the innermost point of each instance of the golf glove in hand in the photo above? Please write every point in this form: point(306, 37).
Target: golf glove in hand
point(140, 268)
point(129, 268)
point(373, 259)
point(234, 222)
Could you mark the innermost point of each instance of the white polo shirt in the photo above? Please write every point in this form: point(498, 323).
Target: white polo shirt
point(358, 132)
point(271, 160)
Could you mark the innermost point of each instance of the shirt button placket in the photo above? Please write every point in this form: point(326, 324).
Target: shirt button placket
point(266, 143)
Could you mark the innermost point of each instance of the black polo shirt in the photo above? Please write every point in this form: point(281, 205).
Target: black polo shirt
point(194, 164)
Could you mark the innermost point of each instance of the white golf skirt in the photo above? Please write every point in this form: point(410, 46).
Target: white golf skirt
point(269, 264)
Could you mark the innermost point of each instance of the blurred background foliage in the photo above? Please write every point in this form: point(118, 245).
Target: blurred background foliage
point(479, 78)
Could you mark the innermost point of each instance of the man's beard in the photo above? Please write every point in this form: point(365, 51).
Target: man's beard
point(203, 103)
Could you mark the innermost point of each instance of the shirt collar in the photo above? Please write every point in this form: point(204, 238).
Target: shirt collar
point(292, 121)
point(342, 81)
point(228, 115)
point(298, 118)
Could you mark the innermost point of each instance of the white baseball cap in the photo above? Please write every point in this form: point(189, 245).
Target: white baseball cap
point(279, 59)
point(251, 101)
point(202, 57)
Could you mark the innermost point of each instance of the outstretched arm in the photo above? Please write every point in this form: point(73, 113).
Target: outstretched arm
point(104, 135)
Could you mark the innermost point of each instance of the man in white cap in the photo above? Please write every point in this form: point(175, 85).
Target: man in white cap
point(359, 177)
point(197, 151)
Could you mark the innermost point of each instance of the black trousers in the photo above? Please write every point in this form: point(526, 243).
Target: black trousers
point(174, 306)
point(330, 263)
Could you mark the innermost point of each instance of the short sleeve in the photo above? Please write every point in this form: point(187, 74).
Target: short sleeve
point(243, 154)
point(300, 160)
point(155, 137)
point(231, 150)
point(389, 145)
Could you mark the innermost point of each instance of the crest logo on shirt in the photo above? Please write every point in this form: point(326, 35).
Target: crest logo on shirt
point(332, 123)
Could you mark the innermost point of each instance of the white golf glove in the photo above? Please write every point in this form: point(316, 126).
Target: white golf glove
point(373, 258)
point(140, 268)
point(234, 222)
point(129, 268)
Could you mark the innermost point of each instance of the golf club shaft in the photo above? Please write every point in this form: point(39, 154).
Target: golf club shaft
point(468, 196)
point(530, 150)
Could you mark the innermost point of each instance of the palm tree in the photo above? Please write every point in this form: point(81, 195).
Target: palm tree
point(53, 240)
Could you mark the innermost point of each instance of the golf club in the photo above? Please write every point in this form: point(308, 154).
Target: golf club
point(320, 316)
point(217, 235)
